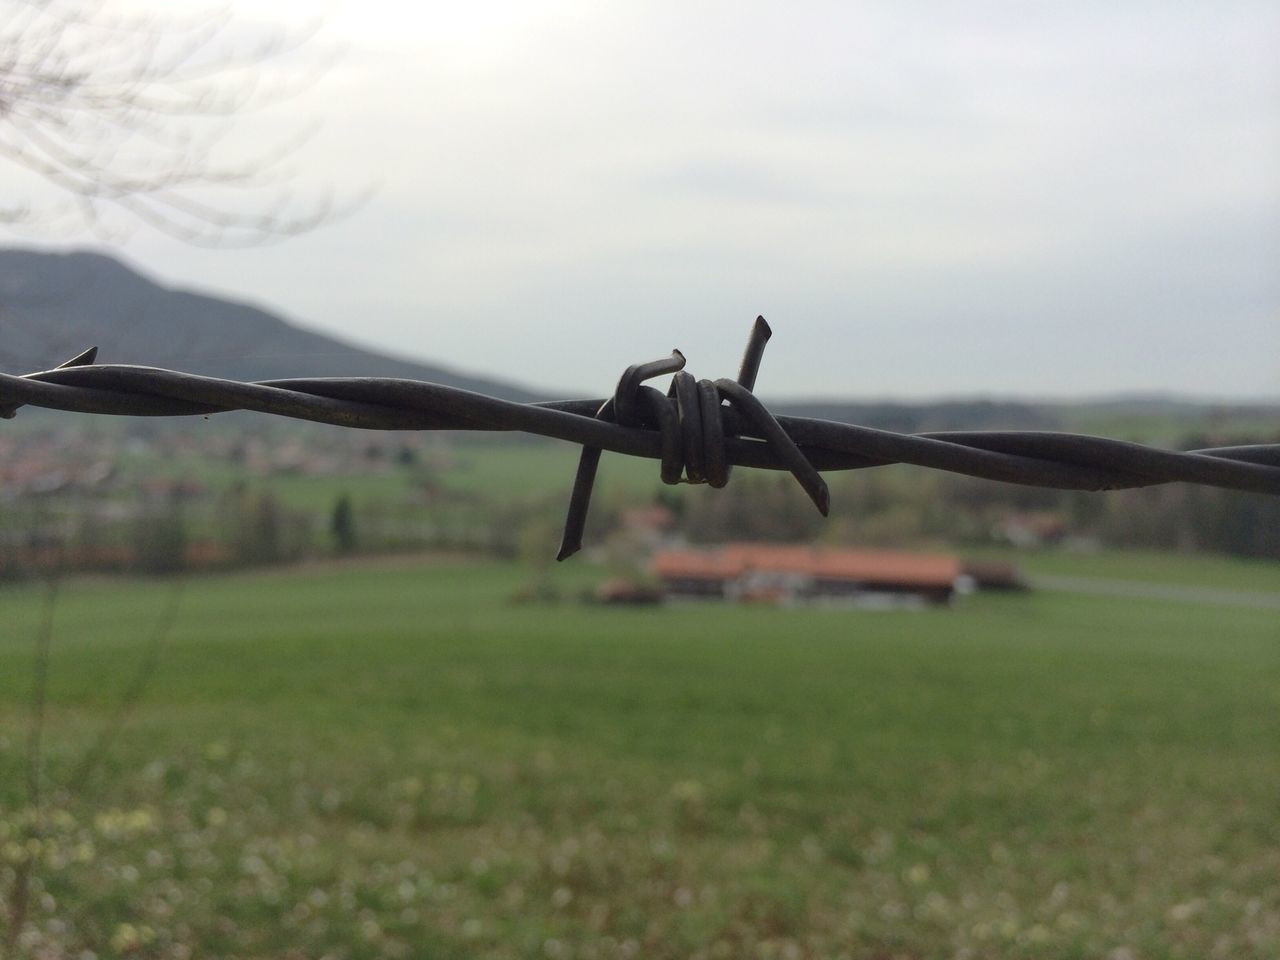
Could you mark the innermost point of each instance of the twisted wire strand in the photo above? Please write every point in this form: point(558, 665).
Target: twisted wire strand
point(698, 429)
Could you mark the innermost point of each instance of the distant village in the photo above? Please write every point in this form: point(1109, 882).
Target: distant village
point(115, 495)
point(86, 500)
point(132, 497)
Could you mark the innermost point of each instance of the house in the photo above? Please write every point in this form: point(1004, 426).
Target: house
point(623, 592)
point(648, 527)
point(1035, 528)
point(993, 575)
point(769, 573)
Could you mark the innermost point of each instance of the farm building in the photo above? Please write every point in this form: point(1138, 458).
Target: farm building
point(769, 573)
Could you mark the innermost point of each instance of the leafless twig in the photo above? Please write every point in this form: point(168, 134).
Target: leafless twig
point(129, 118)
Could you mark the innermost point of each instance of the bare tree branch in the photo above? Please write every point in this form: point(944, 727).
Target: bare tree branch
point(128, 116)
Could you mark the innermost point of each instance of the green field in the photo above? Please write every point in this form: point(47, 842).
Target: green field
point(1176, 569)
point(391, 760)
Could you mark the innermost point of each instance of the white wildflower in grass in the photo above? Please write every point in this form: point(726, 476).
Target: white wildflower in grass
point(918, 873)
point(935, 907)
point(1039, 934)
point(118, 824)
point(129, 938)
point(407, 787)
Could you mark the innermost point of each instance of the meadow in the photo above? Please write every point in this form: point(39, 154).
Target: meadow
point(390, 759)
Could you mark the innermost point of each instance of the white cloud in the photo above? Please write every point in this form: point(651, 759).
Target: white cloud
point(1000, 197)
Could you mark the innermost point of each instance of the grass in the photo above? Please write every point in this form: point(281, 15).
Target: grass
point(540, 468)
point(1204, 570)
point(390, 760)
point(1164, 429)
point(490, 468)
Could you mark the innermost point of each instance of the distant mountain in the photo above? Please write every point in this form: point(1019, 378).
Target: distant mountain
point(53, 305)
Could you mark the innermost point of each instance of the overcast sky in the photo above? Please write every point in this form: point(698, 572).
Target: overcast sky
point(923, 199)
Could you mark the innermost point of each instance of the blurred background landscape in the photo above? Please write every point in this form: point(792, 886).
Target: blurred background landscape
point(146, 495)
point(306, 691)
point(276, 689)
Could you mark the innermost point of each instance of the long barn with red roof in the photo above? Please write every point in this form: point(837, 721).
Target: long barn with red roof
point(791, 574)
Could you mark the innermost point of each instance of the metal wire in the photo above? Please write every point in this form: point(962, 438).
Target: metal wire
point(698, 429)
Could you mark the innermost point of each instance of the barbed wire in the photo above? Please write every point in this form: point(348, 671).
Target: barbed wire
point(698, 429)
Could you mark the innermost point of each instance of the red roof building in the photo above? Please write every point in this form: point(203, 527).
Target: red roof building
point(790, 574)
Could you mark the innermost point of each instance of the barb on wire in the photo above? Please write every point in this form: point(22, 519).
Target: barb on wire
point(697, 430)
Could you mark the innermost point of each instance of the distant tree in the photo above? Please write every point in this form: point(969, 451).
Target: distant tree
point(258, 534)
point(536, 547)
point(756, 506)
point(672, 500)
point(129, 116)
point(160, 541)
point(342, 524)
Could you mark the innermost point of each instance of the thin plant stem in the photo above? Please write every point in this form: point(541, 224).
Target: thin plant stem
point(160, 631)
point(20, 896)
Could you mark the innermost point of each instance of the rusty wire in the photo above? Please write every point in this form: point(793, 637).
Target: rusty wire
point(698, 429)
